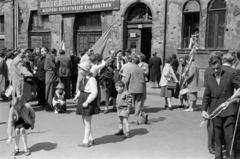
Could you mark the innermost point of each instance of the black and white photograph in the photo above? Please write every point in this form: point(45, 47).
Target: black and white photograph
point(120, 79)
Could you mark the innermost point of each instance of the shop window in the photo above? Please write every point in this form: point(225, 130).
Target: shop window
point(89, 30)
point(1, 24)
point(40, 33)
point(216, 24)
point(190, 28)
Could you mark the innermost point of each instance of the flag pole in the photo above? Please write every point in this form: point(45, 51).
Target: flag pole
point(234, 133)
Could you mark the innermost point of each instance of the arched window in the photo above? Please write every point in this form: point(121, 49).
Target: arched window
point(190, 28)
point(215, 24)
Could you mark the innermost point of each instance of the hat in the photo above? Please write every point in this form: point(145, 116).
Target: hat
point(60, 86)
point(9, 53)
point(85, 66)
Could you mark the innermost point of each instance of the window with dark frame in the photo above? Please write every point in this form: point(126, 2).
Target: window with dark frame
point(216, 24)
point(1, 24)
point(39, 31)
point(190, 25)
point(89, 30)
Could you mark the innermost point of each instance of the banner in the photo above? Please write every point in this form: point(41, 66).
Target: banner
point(46, 7)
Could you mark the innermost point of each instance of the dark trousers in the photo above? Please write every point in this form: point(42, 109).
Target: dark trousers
point(210, 131)
point(41, 92)
point(66, 82)
point(49, 93)
point(74, 84)
point(223, 128)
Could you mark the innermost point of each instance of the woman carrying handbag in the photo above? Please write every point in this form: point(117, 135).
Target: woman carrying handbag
point(168, 83)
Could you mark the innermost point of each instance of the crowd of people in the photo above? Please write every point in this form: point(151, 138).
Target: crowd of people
point(51, 77)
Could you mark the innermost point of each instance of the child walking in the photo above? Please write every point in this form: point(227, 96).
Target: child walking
point(21, 118)
point(59, 100)
point(124, 103)
point(87, 101)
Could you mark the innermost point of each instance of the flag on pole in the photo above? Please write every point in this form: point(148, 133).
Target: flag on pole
point(101, 45)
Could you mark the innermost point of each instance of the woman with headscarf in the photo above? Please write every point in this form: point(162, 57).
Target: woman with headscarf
point(181, 69)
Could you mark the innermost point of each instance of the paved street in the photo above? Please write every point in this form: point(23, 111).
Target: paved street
point(169, 135)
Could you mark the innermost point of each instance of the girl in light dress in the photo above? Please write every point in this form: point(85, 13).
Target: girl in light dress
point(87, 104)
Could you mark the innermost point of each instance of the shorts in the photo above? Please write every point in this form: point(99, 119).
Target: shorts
point(21, 124)
point(192, 96)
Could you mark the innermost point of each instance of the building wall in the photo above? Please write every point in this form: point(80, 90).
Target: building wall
point(6, 9)
point(174, 24)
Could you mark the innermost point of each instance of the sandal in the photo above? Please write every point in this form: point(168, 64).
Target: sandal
point(27, 152)
point(16, 152)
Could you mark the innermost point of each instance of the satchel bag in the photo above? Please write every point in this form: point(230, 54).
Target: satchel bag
point(171, 85)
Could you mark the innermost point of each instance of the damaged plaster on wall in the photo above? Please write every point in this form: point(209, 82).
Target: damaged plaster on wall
point(232, 31)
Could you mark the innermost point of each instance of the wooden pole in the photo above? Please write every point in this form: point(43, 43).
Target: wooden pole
point(234, 133)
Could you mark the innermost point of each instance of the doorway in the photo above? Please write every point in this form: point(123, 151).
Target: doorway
point(146, 42)
point(138, 29)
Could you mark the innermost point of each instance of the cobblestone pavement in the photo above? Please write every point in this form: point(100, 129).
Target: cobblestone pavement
point(169, 135)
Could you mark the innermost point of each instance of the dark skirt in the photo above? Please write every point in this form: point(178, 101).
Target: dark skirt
point(21, 124)
point(155, 74)
point(90, 110)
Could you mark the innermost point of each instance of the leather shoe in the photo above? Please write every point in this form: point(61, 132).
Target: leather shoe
point(91, 142)
point(146, 119)
point(212, 151)
point(120, 132)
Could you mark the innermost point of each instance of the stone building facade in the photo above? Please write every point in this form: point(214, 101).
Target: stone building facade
point(137, 24)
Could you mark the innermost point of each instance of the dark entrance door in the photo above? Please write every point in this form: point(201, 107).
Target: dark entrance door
point(138, 33)
point(146, 44)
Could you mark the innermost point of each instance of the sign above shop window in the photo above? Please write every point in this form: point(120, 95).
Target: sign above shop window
point(46, 7)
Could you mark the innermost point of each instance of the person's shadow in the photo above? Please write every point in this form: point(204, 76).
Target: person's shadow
point(153, 109)
point(46, 146)
point(114, 138)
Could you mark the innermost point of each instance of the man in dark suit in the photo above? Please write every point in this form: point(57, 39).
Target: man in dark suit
point(175, 63)
point(75, 61)
point(210, 130)
point(219, 86)
point(136, 85)
point(40, 76)
point(155, 64)
point(65, 65)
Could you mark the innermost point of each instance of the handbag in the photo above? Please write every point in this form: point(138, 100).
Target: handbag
point(8, 91)
point(171, 84)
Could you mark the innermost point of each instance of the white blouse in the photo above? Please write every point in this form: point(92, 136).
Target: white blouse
point(91, 87)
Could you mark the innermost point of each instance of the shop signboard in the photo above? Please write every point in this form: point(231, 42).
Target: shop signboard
point(46, 7)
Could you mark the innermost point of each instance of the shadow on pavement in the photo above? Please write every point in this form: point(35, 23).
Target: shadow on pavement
point(46, 146)
point(72, 106)
point(39, 132)
point(37, 108)
point(155, 120)
point(107, 139)
point(1, 123)
point(153, 109)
